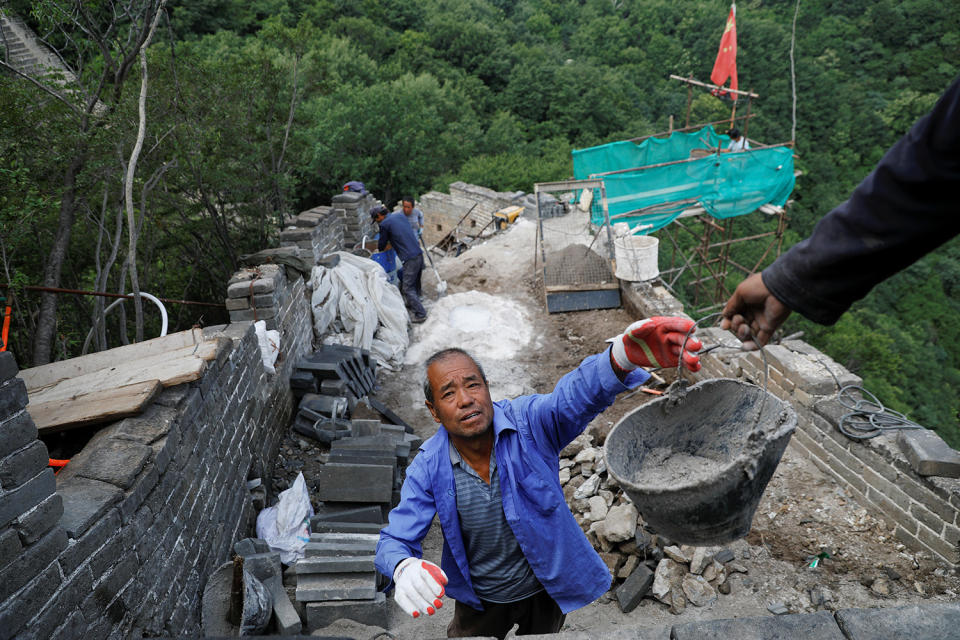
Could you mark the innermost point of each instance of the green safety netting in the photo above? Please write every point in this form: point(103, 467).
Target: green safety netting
point(650, 198)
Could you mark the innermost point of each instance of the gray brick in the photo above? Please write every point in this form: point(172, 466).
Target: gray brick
point(325, 526)
point(35, 523)
point(32, 562)
point(23, 464)
point(141, 488)
point(818, 625)
point(345, 512)
point(263, 565)
point(634, 588)
point(73, 628)
point(285, 615)
point(926, 621)
point(334, 564)
point(115, 461)
point(336, 586)
point(928, 454)
point(16, 431)
point(888, 508)
point(354, 483)
point(16, 612)
point(891, 491)
point(8, 366)
point(148, 427)
point(873, 457)
point(84, 502)
point(250, 546)
point(328, 549)
point(27, 496)
point(927, 517)
point(924, 495)
point(952, 535)
point(10, 546)
point(369, 612)
point(87, 544)
point(110, 585)
point(938, 545)
point(13, 397)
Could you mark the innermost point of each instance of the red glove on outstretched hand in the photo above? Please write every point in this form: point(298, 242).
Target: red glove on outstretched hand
point(656, 342)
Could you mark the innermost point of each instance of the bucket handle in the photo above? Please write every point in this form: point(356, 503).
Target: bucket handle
point(679, 388)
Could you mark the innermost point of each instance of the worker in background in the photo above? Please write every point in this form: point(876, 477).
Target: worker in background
point(738, 142)
point(512, 552)
point(396, 233)
point(414, 215)
point(905, 208)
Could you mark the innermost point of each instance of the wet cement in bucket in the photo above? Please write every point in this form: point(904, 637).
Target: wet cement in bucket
point(696, 465)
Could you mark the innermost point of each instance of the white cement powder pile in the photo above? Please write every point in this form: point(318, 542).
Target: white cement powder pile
point(493, 329)
point(488, 327)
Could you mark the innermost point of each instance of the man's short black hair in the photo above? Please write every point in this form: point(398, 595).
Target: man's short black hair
point(377, 210)
point(443, 355)
point(408, 199)
point(734, 133)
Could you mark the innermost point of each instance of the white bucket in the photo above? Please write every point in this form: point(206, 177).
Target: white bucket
point(636, 257)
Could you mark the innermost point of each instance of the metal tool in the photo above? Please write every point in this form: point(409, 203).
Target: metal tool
point(441, 284)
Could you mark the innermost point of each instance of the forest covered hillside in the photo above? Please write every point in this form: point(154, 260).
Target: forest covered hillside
point(259, 108)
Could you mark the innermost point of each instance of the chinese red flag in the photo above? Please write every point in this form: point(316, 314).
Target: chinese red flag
point(726, 64)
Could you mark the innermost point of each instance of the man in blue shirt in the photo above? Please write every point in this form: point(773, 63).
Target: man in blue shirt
point(396, 233)
point(512, 553)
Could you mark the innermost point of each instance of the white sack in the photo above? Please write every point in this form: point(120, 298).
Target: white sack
point(286, 526)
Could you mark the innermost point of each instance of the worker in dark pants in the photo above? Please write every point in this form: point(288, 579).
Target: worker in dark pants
point(513, 554)
point(397, 234)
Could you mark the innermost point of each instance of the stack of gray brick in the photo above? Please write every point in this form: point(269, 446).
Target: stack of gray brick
point(322, 224)
point(336, 578)
point(32, 588)
point(257, 293)
point(907, 479)
point(354, 211)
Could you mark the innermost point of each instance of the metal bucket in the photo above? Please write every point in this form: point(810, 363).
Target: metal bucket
point(696, 465)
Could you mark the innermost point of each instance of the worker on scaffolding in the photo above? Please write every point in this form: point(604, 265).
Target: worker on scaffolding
point(902, 210)
point(396, 233)
point(513, 554)
point(738, 142)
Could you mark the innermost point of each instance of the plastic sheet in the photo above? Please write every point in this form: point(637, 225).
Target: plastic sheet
point(355, 298)
point(269, 344)
point(286, 526)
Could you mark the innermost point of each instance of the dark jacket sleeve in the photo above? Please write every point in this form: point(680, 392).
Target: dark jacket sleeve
point(905, 208)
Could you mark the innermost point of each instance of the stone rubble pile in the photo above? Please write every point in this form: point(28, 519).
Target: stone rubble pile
point(643, 563)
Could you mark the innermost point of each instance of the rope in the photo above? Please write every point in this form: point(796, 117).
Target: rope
point(868, 417)
point(793, 71)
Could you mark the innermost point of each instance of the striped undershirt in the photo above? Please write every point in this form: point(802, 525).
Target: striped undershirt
point(498, 569)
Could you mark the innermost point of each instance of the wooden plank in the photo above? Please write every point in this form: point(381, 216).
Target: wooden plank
point(45, 375)
point(96, 406)
point(170, 368)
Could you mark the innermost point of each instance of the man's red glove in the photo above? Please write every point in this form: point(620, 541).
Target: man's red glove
point(656, 342)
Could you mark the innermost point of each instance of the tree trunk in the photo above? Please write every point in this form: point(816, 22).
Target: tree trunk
point(47, 318)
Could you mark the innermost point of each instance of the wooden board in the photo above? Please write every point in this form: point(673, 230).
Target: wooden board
point(96, 406)
point(48, 374)
point(170, 368)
